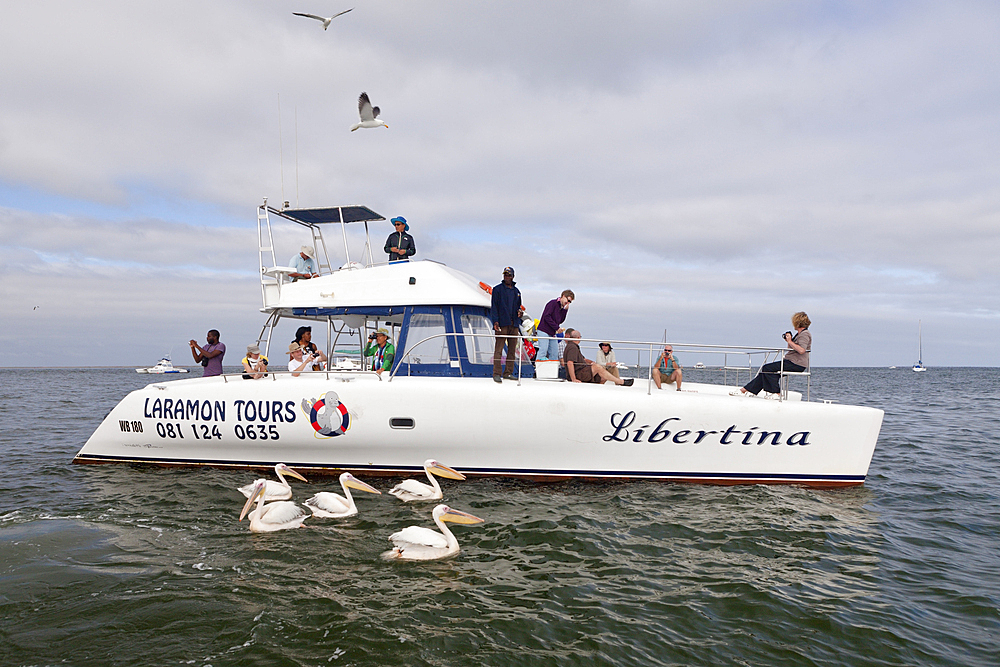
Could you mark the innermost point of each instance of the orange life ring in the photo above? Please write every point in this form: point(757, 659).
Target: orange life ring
point(486, 288)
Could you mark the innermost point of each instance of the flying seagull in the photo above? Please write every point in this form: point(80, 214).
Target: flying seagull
point(326, 22)
point(369, 114)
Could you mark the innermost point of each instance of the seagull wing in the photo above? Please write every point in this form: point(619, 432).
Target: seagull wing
point(311, 16)
point(339, 13)
point(375, 112)
point(365, 107)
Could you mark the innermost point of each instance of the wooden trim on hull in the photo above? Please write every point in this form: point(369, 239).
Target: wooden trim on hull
point(722, 479)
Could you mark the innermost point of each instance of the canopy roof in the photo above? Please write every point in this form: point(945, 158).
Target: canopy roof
point(316, 216)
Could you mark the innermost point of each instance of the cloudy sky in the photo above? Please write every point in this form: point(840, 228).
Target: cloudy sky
point(704, 168)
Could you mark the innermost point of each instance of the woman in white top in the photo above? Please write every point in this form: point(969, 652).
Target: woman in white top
point(606, 358)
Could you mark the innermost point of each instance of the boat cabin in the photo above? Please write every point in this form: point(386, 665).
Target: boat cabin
point(438, 317)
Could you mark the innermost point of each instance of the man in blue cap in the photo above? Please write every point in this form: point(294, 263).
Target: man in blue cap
point(400, 245)
point(505, 315)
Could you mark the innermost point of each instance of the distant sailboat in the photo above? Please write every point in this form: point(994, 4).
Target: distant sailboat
point(919, 366)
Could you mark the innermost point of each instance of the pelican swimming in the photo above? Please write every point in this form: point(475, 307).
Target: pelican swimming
point(411, 489)
point(369, 114)
point(275, 490)
point(326, 21)
point(335, 506)
point(280, 515)
point(417, 543)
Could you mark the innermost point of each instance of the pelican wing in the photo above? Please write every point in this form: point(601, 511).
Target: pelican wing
point(411, 489)
point(365, 107)
point(273, 490)
point(281, 513)
point(328, 502)
point(313, 16)
point(420, 537)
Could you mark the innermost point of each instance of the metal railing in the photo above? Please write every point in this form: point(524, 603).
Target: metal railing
point(642, 349)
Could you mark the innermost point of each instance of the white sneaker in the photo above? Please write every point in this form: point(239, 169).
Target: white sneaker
point(738, 392)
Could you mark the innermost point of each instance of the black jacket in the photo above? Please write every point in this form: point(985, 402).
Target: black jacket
point(403, 241)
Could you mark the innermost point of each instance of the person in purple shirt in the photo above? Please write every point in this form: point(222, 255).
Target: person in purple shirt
point(210, 356)
point(553, 315)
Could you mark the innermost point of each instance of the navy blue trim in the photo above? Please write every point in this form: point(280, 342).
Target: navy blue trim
point(511, 472)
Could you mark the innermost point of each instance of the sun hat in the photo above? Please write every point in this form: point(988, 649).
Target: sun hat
point(253, 349)
point(399, 218)
point(383, 331)
point(294, 347)
point(308, 251)
point(608, 344)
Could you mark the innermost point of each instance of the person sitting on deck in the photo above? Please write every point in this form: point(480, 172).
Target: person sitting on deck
point(796, 360)
point(580, 369)
point(606, 358)
point(667, 369)
point(381, 351)
point(304, 264)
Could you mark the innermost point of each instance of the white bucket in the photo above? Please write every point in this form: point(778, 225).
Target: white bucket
point(547, 370)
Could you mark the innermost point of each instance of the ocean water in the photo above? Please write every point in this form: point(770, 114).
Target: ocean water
point(122, 565)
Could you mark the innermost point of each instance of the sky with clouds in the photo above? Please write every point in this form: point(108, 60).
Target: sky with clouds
point(700, 168)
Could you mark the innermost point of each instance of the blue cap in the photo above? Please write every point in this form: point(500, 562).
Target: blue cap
point(510, 270)
point(399, 218)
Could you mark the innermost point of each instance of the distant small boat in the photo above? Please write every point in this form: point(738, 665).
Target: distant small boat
point(162, 366)
point(699, 365)
point(892, 368)
point(919, 366)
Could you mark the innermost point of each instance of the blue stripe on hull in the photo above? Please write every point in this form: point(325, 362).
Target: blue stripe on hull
point(674, 476)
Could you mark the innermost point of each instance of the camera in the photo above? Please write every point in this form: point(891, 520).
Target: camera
point(788, 334)
point(371, 337)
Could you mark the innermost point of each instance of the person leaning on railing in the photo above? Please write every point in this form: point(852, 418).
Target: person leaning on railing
point(795, 361)
point(254, 364)
point(299, 360)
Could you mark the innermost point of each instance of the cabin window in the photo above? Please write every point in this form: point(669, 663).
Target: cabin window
point(401, 422)
point(433, 351)
point(479, 347)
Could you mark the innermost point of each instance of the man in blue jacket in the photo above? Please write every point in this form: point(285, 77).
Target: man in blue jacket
point(504, 312)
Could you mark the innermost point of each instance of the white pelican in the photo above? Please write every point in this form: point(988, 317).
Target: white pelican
point(280, 515)
point(369, 114)
point(417, 543)
point(411, 489)
point(335, 506)
point(326, 21)
point(275, 490)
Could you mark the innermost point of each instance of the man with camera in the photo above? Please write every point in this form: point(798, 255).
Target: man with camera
point(300, 360)
point(381, 351)
point(667, 369)
point(210, 356)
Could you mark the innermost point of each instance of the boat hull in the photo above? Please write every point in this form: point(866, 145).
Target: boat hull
point(329, 423)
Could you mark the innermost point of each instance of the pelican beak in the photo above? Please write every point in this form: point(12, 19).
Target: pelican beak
point(442, 470)
point(356, 483)
point(456, 516)
point(257, 492)
point(289, 471)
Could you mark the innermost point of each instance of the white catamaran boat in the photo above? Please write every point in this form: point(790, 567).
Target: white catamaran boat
point(439, 399)
point(162, 366)
point(919, 366)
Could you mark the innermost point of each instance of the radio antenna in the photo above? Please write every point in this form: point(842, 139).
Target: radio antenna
point(281, 152)
point(296, 156)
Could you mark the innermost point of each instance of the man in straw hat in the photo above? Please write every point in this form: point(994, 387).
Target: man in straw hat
point(304, 264)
